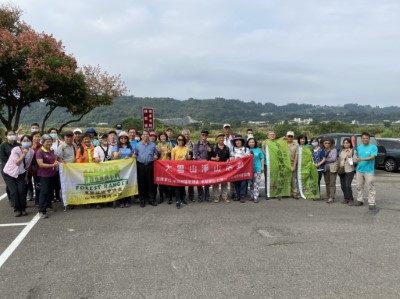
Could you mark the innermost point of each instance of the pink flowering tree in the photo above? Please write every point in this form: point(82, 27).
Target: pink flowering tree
point(35, 68)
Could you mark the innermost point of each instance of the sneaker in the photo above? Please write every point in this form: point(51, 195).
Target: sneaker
point(178, 205)
point(127, 205)
point(18, 214)
point(24, 213)
point(372, 207)
point(122, 205)
point(242, 200)
point(216, 200)
point(350, 203)
point(226, 200)
point(358, 203)
point(255, 200)
point(42, 215)
point(330, 200)
point(51, 209)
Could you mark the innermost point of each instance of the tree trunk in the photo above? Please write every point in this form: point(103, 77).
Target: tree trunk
point(72, 121)
point(47, 116)
point(17, 117)
point(6, 122)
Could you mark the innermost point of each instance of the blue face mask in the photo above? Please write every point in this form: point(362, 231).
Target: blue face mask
point(26, 144)
point(314, 143)
point(34, 130)
point(53, 135)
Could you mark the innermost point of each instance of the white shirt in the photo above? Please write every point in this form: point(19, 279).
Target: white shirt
point(100, 152)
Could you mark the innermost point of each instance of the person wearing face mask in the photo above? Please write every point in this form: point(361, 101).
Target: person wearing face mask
point(35, 128)
point(5, 152)
point(118, 129)
point(319, 158)
point(53, 132)
point(15, 174)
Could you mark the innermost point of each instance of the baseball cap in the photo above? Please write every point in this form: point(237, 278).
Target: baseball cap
point(153, 133)
point(118, 126)
point(226, 125)
point(103, 135)
point(290, 133)
point(77, 130)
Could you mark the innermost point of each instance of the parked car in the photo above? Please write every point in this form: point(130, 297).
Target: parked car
point(392, 158)
point(356, 140)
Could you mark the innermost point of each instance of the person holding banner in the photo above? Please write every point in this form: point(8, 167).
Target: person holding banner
point(164, 153)
point(293, 151)
point(145, 154)
point(85, 151)
point(319, 160)
point(307, 174)
point(47, 171)
point(190, 145)
point(202, 151)
point(220, 153)
point(123, 150)
point(180, 152)
point(103, 152)
point(16, 175)
point(239, 151)
point(258, 168)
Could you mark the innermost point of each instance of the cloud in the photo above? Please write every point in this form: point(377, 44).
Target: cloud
point(281, 51)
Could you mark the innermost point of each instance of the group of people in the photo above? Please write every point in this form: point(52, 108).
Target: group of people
point(30, 164)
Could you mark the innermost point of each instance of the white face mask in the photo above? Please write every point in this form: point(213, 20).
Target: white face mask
point(314, 143)
point(12, 138)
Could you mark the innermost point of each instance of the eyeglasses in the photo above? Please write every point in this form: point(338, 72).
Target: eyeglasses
point(327, 143)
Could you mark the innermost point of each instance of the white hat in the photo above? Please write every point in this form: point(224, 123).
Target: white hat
point(226, 125)
point(77, 130)
point(290, 133)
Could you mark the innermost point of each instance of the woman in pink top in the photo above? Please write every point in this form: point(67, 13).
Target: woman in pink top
point(16, 176)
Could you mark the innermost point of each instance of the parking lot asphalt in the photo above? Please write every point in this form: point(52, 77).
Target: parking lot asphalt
point(273, 249)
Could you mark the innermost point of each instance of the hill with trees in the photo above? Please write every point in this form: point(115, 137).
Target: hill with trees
point(217, 110)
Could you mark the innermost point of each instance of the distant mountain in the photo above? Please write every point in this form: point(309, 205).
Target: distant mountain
point(215, 110)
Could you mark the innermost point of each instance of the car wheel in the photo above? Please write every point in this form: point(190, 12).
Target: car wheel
point(390, 165)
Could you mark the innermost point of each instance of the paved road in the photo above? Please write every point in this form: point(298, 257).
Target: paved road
point(273, 249)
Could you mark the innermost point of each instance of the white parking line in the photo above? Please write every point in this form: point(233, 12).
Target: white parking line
point(14, 224)
point(13, 246)
point(3, 196)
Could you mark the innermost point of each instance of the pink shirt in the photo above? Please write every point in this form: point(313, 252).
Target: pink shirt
point(11, 168)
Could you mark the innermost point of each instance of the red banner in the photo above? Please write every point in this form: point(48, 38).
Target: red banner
point(202, 173)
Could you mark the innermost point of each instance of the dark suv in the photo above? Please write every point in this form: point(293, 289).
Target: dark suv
point(356, 140)
point(392, 158)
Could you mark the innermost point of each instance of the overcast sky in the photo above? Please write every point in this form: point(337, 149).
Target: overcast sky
point(282, 51)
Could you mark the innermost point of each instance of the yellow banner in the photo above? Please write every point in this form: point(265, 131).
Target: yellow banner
point(85, 183)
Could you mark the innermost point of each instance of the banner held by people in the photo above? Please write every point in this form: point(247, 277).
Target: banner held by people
point(201, 172)
point(98, 182)
point(307, 174)
point(279, 170)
